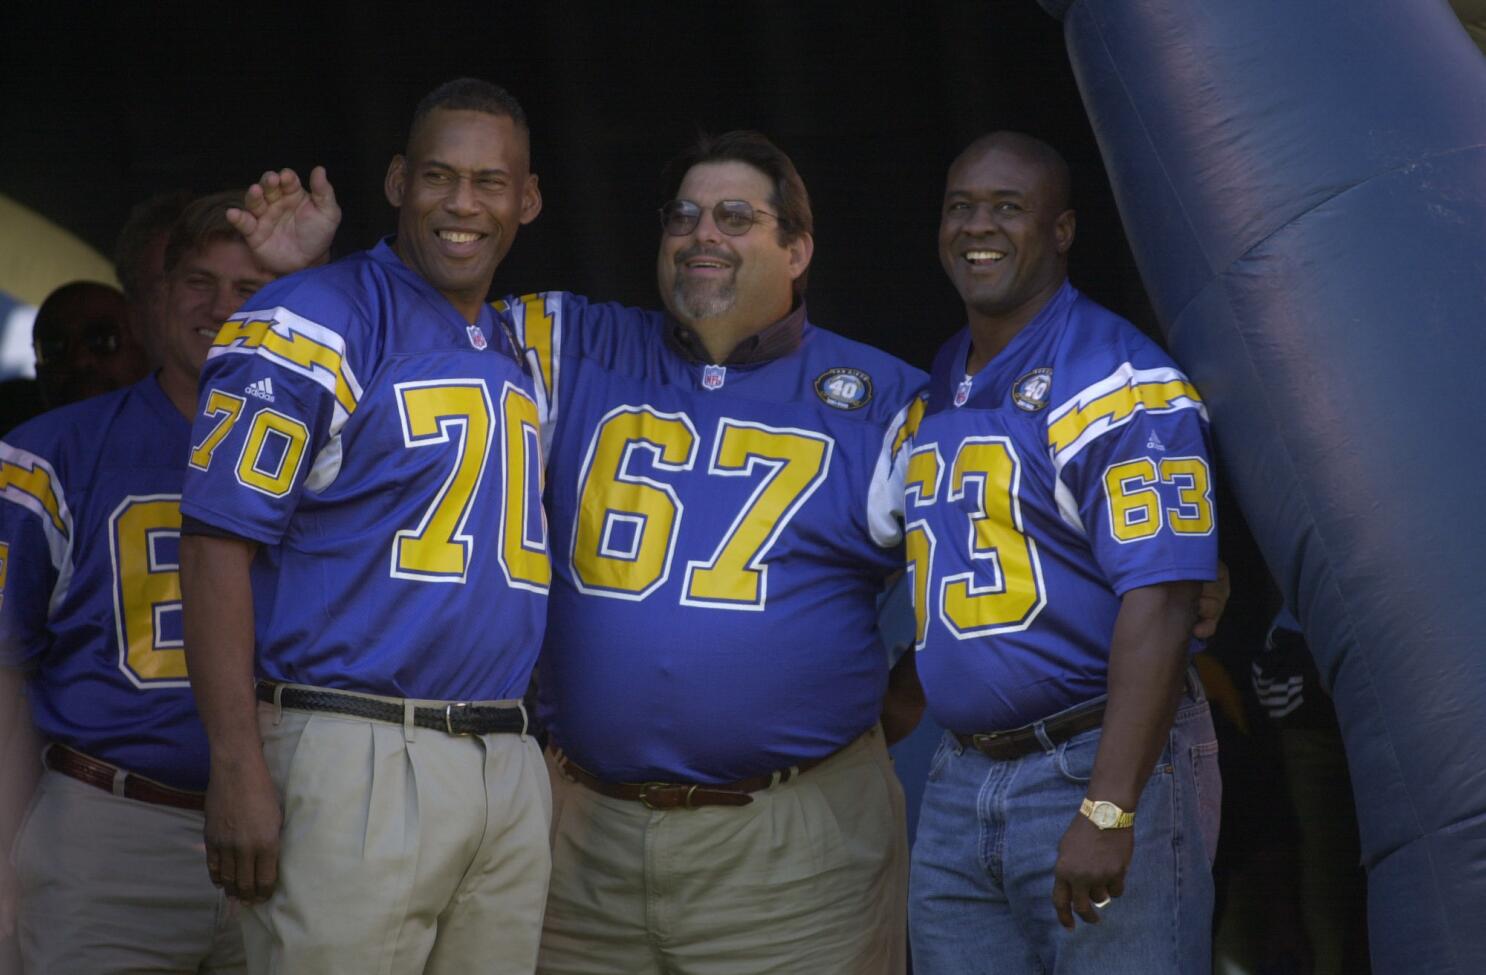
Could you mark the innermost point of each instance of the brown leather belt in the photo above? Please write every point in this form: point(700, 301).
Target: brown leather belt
point(684, 795)
point(74, 764)
point(1017, 742)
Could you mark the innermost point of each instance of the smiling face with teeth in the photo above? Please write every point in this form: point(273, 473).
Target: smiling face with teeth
point(462, 190)
point(204, 288)
point(1005, 231)
point(728, 288)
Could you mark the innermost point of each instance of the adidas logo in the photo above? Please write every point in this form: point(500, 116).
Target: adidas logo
point(263, 389)
point(1154, 443)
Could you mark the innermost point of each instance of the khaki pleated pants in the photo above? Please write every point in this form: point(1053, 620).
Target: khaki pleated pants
point(403, 850)
point(811, 877)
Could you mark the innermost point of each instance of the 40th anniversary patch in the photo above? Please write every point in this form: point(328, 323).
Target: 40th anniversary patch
point(844, 388)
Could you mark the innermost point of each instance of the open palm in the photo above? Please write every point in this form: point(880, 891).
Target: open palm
point(287, 225)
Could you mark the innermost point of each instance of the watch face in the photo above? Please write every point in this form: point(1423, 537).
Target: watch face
point(1104, 815)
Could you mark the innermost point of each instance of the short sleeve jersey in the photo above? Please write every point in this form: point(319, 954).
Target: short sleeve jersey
point(1071, 469)
point(386, 454)
point(90, 597)
point(719, 536)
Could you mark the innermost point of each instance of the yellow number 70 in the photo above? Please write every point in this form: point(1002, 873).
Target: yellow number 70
point(458, 412)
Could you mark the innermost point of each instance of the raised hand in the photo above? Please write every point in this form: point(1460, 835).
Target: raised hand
point(287, 226)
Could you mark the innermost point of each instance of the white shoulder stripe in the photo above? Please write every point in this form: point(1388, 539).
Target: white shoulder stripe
point(30, 481)
point(1113, 402)
point(1068, 507)
point(885, 494)
point(546, 408)
point(538, 321)
point(1125, 375)
point(299, 345)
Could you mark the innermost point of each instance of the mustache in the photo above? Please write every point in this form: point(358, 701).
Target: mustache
point(703, 250)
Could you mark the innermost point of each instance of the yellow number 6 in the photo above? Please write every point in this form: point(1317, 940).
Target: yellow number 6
point(147, 589)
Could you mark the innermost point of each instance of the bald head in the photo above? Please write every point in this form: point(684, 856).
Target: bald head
point(1005, 231)
point(468, 95)
point(1045, 158)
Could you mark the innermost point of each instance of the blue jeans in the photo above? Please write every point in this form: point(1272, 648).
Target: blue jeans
point(980, 890)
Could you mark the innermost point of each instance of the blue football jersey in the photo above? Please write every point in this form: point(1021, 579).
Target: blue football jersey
point(387, 456)
point(1071, 469)
point(90, 593)
point(719, 537)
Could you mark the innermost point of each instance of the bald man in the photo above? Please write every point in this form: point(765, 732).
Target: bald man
point(370, 428)
point(1060, 526)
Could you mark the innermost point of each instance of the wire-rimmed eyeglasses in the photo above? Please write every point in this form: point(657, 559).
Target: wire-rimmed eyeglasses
point(733, 217)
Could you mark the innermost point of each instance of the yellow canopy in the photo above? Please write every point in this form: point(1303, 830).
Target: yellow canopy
point(1472, 14)
point(37, 256)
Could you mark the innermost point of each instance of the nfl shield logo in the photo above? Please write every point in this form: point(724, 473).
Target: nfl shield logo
point(477, 337)
point(714, 376)
point(963, 393)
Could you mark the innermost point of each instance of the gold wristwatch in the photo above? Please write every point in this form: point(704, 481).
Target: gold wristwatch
point(1106, 815)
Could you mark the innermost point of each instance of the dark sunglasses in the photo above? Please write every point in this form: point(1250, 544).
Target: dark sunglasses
point(98, 338)
point(733, 217)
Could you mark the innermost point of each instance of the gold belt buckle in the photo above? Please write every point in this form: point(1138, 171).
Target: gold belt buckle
point(648, 787)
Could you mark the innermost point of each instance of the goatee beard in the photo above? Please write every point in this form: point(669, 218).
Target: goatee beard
point(703, 300)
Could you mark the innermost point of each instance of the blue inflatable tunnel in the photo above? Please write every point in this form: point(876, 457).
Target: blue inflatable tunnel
point(1303, 183)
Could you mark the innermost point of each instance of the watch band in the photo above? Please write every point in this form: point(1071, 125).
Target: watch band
point(1106, 815)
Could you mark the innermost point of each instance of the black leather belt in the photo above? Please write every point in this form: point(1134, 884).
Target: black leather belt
point(455, 718)
point(1017, 742)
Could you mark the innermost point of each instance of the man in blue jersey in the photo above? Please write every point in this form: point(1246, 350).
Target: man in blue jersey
point(723, 511)
point(722, 516)
point(109, 860)
point(1059, 525)
point(363, 535)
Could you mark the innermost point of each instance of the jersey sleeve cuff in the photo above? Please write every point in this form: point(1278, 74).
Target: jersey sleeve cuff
point(214, 524)
point(195, 526)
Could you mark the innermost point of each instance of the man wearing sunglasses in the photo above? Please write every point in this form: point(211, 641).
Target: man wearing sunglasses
point(83, 344)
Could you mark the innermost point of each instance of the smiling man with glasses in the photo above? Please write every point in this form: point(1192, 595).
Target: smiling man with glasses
point(722, 523)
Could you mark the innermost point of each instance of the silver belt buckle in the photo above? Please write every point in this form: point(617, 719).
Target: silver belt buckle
point(464, 708)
